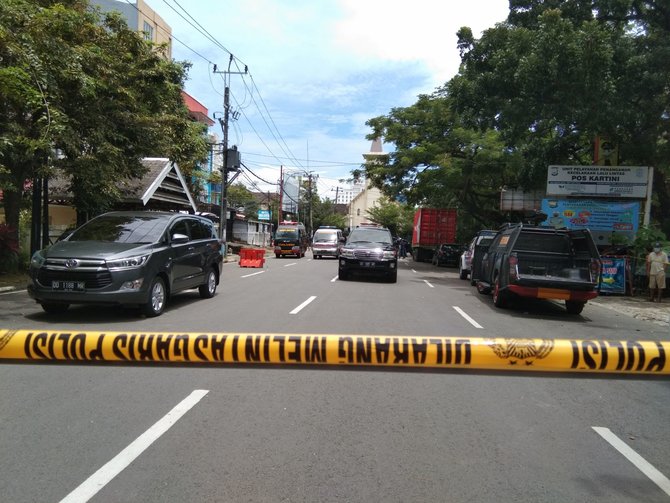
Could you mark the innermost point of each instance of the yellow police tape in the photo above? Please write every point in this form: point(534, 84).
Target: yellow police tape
point(547, 355)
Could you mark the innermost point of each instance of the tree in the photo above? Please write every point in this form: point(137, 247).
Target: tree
point(534, 91)
point(398, 218)
point(87, 87)
point(240, 197)
point(440, 162)
point(324, 213)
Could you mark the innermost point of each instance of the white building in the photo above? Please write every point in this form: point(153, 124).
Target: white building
point(369, 196)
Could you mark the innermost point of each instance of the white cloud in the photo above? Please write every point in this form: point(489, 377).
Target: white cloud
point(323, 67)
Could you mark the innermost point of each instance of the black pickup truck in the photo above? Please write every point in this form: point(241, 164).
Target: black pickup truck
point(542, 262)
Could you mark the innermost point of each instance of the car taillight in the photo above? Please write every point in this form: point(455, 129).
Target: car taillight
point(513, 262)
point(595, 269)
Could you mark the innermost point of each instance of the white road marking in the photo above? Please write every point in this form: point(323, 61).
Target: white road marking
point(303, 305)
point(9, 292)
point(252, 274)
point(104, 475)
point(414, 271)
point(335, 279)
point(428, 283)
point(467, 317)
point(289, 265)
point(640, 463)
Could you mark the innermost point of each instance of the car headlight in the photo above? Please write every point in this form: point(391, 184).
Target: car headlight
point(347, 253)
point(37, 260)
point(389, 254)
point(128, 263)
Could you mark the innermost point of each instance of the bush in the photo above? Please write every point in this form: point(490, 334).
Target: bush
point(9, 249)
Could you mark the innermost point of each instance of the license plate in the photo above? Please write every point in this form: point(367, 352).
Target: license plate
point(68, 286)
point(367, 264)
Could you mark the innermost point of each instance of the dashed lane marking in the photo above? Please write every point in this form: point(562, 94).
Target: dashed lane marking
point(467, 317)
point(252, 274)
point(640, 463)
point(303, 305)
point(92, 485)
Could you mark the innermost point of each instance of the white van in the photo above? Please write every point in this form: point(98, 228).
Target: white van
point(327, 242)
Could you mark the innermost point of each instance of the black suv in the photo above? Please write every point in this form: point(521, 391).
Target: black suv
point(542, 262)
point(369, 250)
point(128, 258)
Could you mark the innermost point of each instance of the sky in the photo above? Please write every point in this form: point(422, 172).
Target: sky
point(317, 70)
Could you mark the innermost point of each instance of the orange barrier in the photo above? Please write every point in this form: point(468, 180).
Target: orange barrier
point(252, 257)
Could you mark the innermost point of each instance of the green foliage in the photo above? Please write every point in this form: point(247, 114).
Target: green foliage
point(645, 239)
point(324, 214)
point(534, 91)
point(85, 85)
point(398, 218)
point(239, 196)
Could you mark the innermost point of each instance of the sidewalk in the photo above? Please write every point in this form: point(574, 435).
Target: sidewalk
point(637, 307)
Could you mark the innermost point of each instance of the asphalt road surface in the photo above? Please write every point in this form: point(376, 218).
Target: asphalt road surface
point(123, 433)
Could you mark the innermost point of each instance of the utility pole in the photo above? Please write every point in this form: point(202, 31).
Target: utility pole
point(281, 195)
point(223, 217)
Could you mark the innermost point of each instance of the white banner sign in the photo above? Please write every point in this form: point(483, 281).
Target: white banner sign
point(594, 181)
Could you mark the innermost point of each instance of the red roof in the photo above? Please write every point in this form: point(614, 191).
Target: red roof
point(197, 110)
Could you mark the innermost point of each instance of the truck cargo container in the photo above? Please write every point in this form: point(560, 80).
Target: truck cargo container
point(432, 227)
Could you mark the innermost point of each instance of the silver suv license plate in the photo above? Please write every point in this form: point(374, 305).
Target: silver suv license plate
point(68, 286)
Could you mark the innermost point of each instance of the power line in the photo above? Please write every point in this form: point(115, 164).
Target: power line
point(254, 174)
point(335, 163)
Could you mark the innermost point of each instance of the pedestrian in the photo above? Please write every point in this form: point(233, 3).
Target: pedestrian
point(657, 261)
point(403, 248)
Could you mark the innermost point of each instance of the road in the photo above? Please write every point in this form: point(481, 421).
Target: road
point(269, 434)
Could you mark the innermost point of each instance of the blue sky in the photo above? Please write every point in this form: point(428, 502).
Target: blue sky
point(318, 70)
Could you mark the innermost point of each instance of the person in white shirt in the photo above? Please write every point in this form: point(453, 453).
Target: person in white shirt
point(657, 261)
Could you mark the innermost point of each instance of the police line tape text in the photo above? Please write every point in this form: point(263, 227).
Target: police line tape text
point(419, 351)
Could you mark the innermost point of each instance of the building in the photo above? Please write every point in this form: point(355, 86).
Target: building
point(140, 17)
point(344, 195)
point(368, 197)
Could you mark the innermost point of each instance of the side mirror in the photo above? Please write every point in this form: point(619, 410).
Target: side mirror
point(179, 239)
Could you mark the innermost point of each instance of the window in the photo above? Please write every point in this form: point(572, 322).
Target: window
point(148, 32)
point(200, 229)
point(179, 227)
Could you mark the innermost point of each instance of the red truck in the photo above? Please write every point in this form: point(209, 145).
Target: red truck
point(432, 227)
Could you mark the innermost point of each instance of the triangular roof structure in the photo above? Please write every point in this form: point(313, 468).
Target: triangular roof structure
point(162, 188)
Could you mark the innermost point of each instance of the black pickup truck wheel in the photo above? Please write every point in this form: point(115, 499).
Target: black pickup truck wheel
point(499, 296)
point(574, 306)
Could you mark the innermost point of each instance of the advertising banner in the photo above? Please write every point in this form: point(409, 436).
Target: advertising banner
point(613, 275)
point(595, 215)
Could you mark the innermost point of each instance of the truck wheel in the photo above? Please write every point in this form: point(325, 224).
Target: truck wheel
point(499, 295)
point(462, 273)
point(574, 306)
point(393, 277)
point(208, 289)
point(343, 275)
point(157, 297)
